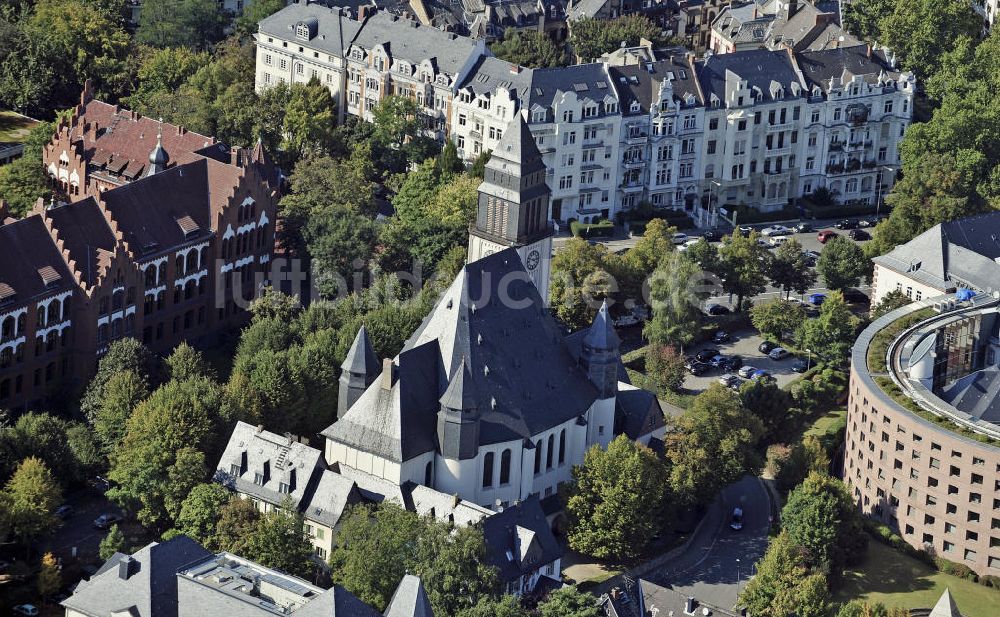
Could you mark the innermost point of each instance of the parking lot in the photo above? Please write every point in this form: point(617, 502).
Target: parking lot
point(744, 344)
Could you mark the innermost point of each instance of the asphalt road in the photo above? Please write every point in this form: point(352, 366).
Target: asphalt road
point(720, 560)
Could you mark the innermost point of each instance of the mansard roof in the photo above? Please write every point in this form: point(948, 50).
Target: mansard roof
point(406, 39)
point(840, 65)
point(491, 73)
point(758, 67)
point(641, 82)
point(334, 28)
point(587, 81)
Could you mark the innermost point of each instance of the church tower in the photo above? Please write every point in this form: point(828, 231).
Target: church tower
point(513, 206)
point(601, 355)
point(359, 370)
point(458, 418)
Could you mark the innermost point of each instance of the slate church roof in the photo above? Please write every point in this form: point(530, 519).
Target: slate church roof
point(409, 600)
point(524, 378)
point(519, 540)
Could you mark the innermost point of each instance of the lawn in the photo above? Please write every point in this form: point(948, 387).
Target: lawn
point(895, 579)
point(14, 127)
point(825, 422)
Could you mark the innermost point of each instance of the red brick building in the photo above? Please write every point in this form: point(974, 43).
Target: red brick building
point(162, 233)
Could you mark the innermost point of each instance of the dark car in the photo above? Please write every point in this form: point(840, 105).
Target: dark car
point(855, 296)
point(801, 365)
point(722, 337)
point(65, 511)
point(803, 228)
point(745, 230)
point(717, 309)
point(736, 520)
point(106, 520)
point(766, 347)
point(847, 224)
point(706, 354)
point(859, 234)
point(699, 368)
point(712, 235)
point(732, 363)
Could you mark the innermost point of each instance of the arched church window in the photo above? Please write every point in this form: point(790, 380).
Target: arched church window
point(488, 470)
point(505, 467)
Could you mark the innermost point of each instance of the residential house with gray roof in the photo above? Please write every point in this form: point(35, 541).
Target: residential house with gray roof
point(799, 25)
point(521, 546)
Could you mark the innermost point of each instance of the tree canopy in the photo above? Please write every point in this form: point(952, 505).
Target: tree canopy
point(591, 37)
point(532, 49)
point(842, 264)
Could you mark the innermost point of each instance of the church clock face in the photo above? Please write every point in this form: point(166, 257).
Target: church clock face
point(532, 260)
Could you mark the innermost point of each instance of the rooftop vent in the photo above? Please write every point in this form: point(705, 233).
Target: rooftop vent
point(49, 275)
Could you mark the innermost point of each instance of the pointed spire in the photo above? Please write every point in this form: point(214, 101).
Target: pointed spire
point(410, 599)
point(602, 333)
point(158, 158)
point(460, 394)
point(517, 145)
point(361, 358)
point(945, 606)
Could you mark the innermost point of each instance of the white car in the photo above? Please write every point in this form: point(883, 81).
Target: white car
point(775, 230)
point(778, 240)
point(680, 238)
point(692, 241)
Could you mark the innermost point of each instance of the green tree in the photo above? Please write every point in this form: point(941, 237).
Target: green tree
point(86, 449)
point(711, 445)
point(891, 301)
point(199, 511)
point(505, 606)
point(254, 12)
point(112, 543)
point(820, 516)
point(804, 458)
point(23, 181)
point(616, 503)
point(842, 263)
point(121, 393)
point(180, 23)
point(743, 266)
point(279, 541)
point(395, 119)
point(452, 564)
point(448, 161)
point(789, 269)
point(569, 601)
point(49, 577)
point(862, 17)
point(918, 31)
point(31, 496)
point(340, 243)
point(665, 371)
point(830, 335)
point(769, 403)
point(44, 436)
point(532, 49)
point(579, 282)
point(237, 521)
point(672, 297)
point(185, 362)
point(774, 319)
point(590, 37)
point(310, 118)
point(784, 586)
point(161, 73)
point(126, 354)
point(162, 454)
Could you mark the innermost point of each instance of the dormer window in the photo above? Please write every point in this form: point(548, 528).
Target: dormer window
point(305, 30)
point(234, 470)
point(284, 488)
point(258, 479)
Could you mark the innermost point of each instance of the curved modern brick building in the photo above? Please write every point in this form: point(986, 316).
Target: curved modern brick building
point(923, 434)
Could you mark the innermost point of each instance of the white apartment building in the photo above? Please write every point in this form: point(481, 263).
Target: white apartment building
point(662, 131)
point(487, 100)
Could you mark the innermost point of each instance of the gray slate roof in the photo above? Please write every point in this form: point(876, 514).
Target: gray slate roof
point(638, 412)
point(759, 67)
point(490, 73)
point(334, 29)
point(148, 585)
point(977, 394)
point(637, 598)
point(522, 532)
point(839, 65)
point(409, 599)
point(642, 82)
point(963, 251)
point(408, 40)
point(361, 357)
point(586, 80)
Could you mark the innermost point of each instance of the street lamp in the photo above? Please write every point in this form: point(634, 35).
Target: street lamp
point(738, 579)
point(878, 188)
point(809, 358)
point(711, 210)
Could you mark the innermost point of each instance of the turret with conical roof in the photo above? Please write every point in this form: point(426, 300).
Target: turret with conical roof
point(410, 599)
point(359, 370)
point(158, 157)
point(458, 418)
point(600, 354)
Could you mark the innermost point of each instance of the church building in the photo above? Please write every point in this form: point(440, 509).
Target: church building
point(489, 399)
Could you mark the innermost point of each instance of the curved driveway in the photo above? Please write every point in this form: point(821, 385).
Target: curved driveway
point(718, 560)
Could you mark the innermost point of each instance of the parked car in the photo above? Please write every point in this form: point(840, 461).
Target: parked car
point(698, 368)
point(847, 224)
point(29, 610)
point(717, 309)
point(778, 353)
point(718, 360)
point(106, 520)
point(736, 520)
point(803, 228)
point(801, 365)
point(775, 230)
point(691, 241)
point(766, 347)
point(866, 223)
point(712, 235)
point(778, 240)
point(825, 235)
point(728, 380)
point(859, 234)
point(747, 371)
point(761, 374)
point(817, 299)
point(721, 336)
point(65, 511)
point(706, 354)
point(680, 238)
point(745, 230)
point(732, 363)
point(855, 296)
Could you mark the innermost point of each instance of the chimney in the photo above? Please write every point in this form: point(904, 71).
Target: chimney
point(260, 427)
point(181, 130)
point(869, 51)
point(362, 12)
point(88, 92)
point(126, 567)
point(388, 374)
point(689, 605)
point(614, 593)
point(515, 69)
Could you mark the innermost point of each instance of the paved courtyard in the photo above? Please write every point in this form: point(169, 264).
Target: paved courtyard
point(745, 344)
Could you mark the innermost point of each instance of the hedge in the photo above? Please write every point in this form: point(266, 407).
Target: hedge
point(748, 216)
point(835, 212)
point(680, 221)
point(600, 229)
